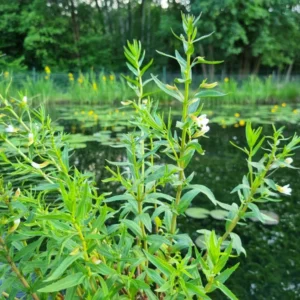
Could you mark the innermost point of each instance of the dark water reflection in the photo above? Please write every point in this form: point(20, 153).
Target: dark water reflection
point(271, 269)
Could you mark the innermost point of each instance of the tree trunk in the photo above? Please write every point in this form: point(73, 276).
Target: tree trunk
point(75, 29)
point(129, 20)
point(107, 17)
point(289, 71)
point(101, 16)
point(257, 66)
point(142, 14)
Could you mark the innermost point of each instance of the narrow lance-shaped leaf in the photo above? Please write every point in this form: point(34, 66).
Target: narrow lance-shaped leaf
point(209, 94)
point(168, 90)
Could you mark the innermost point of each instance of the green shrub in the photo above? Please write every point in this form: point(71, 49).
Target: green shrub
point(61, 239)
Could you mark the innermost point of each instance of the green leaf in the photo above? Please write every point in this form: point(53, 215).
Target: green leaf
point(197, 212)
point(62, 267)
point(155, 277)
point(174, 93)
point(226, 274)
point(162, 265)
point(209, 94)
point(135, 228)
point(203, 37)
point(225, 290)
point(237, 243)
point(119, 198)
point(197, 290)
point(205, 190)
point(186, 200)
point(146, 67)
point(55, 216)
point(64, 283)
point(219, 214)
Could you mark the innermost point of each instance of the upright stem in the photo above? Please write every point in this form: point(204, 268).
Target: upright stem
point(16, 270)
point(183, 139)
point(254, 186)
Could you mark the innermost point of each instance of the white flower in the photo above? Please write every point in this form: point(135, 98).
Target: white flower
point(35, 165)
point(10, 129)
point(30, 139)
point(40, 166)
point(288, 160)
point(24, 99)
point(284, 189)
point(201, 121)
point(205, 129)
point(17, 222)
point(15, 226)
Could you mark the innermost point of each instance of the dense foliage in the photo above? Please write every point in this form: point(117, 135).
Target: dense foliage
point(251, 36)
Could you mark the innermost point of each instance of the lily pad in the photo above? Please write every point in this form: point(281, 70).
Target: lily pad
point(197, 212)
point(219, 214)
point(200, 241)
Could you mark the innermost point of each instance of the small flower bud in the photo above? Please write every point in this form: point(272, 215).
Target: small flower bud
point(10, 129)
point(17, 193)
point(96, 260)
point(288, 160)
point(15, 226)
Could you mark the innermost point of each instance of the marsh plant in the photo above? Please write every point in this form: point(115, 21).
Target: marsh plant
point(61, 238)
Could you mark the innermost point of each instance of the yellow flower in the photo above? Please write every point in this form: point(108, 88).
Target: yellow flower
point(80, 80)
point(273, 110)
point(242, 123)
point(112, 77)
point(91, 112)
point(205, 85)
point(236, 125)
point(71, 77)
point(275, 106)
point(104, 78)
point(226, 79)
point(95, 88)
point(237, 115)
point(295, 111)
point(46, 77)
point(117, 110)
point(82, 112)
point(283, 104)
point(47, 70)
point(6, 74)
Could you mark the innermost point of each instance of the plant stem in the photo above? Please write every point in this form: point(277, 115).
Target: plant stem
point(254, 186)
point(183, 139)
point(16, 270)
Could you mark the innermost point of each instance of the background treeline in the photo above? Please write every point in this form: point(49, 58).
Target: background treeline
point(253, 37)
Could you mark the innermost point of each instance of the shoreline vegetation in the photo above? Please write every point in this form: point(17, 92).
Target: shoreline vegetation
point(98, 88)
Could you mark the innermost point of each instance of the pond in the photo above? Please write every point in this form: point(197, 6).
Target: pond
point(271, 269)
